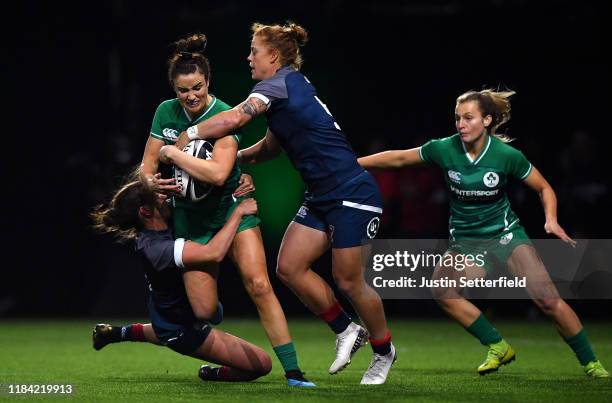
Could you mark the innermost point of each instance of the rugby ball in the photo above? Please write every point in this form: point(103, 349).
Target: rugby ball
point(191, 189)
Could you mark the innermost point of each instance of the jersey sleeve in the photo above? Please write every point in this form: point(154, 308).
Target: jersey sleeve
point(156, 126)
point(165, 253)
point(520, 167)
point(430, 151)
point(270, 90)
point(237, 135)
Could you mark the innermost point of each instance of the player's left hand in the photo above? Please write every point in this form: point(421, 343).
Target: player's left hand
point(182, 141)
point(245, 185)
point(555, 229)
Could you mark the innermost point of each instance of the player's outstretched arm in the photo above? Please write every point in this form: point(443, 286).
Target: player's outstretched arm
point(391, 159)
point(536, 181)
point(223, 123)
point(265, 149)
point(214, 171)
point(195, 254)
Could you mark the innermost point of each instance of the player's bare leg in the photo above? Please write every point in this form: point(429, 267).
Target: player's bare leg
point(348, 275)
point(470, 317)
point(301, 246)
point(525, 262)
point(240, 360)
point(450, 299)
point(201, 289)
point(248, 253)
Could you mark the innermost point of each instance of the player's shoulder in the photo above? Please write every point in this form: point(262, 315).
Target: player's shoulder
point(285, 71)
point(504, 148)
point(169, 106)
point(445, 142)
point(148, 239)
point(277, 82)
point(219, 105)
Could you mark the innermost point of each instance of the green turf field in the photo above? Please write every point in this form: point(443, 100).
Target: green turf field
point(436, 362)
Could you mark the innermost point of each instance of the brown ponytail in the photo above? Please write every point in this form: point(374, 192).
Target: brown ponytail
point(120, 217)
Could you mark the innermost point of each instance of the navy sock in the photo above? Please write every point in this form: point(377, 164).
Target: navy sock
point(336, 318)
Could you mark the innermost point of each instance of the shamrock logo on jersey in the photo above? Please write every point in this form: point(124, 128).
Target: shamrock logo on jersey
point(505, 240)
point(490, 179)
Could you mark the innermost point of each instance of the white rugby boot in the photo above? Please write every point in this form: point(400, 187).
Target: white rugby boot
point(347, 343)
point(379, 368)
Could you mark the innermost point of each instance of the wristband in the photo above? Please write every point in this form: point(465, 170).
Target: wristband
point(239, 156)
point(192, 132)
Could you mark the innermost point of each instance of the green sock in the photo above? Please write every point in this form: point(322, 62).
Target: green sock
point(484, 331)
point(287, 356)
point(582, 347)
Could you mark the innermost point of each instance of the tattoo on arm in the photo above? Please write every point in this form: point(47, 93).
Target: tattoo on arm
point(253, 106)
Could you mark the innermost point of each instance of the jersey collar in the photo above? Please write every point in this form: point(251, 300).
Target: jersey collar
point(210, 106)
point(482, 153)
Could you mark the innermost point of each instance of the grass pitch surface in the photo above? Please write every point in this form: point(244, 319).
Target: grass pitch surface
point(437, 362)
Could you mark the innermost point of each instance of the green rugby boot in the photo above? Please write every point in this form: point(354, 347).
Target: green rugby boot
point(594, 369)
point(499, 354)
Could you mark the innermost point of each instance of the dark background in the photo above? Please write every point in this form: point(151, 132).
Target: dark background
point(84, 80)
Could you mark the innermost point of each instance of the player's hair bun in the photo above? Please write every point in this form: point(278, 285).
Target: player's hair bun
point(297, 32)
point(195, 43)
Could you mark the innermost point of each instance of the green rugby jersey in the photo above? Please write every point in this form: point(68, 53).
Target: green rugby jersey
point(478, 201)
point(169, 121)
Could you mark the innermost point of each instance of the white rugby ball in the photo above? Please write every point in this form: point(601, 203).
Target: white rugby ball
point(191, 189)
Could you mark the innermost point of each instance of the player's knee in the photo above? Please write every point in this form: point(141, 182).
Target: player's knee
point(550, 306)
point(258, 287)
point(449, 305)
point(204, 312)
point(285, 271)
point(443, 295)
point(437, 294)
point(348, 286)
point(282, 272)
point(265, 364)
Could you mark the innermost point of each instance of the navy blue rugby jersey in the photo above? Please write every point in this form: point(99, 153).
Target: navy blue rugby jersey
point(307, 131)
point(161, 259)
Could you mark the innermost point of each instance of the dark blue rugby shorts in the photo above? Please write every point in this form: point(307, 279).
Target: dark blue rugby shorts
point(349, 214)
point(184, 338)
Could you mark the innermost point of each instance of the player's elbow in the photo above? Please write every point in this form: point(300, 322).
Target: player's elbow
point(219, 178)
point(218, 257)
point(214, 254)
